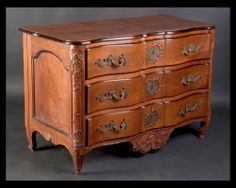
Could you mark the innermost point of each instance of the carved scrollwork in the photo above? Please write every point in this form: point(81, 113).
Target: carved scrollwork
point(147, 141)
point(77, 133)
point(76, 62)
point(76, 72)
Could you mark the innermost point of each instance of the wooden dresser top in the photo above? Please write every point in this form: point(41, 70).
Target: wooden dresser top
point(115, 29)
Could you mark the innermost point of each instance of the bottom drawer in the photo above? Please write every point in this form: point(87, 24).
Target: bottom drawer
point(124, 124)
point(127, 123)
point(113, 126)
point(194, 106)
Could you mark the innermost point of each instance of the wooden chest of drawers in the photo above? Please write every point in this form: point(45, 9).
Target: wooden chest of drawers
point(125, 80)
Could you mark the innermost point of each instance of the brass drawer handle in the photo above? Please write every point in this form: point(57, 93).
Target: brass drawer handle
point(186, 80)
point(191, 48)
point(111, 126)
point(188, 108)
point(111, 95)
point(110, 61)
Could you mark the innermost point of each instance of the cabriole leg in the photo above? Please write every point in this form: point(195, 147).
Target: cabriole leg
point(77, 161)
point(203, 128)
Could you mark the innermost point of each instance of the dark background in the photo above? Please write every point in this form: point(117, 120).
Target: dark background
point(184, 157)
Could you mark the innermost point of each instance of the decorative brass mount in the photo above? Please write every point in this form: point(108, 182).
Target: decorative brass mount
point(152, 86)
point(111, 126)
point(153, 53)
point(186, 80)
point(110, 61)
point(188, 108)
point(152, 117)
point(111, 95)
point(190, 48)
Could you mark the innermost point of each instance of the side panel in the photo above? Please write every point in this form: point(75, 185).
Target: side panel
point(47, 87)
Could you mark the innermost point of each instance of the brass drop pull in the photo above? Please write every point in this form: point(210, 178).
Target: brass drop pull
point(110, 61)
point(111, 95)
point(191, 48)
point(188, 108)
point(111, 126)
point(186, 80)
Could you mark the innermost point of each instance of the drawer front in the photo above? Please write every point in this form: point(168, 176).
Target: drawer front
point(126, 58)
point(179, 50)
point(187, 79)
point(114, 59)
point(190, 107)
point(113, 126)
point(124, 124)
point(124, 92)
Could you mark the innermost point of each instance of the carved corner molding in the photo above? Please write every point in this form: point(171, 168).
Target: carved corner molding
point(76, 73)
point(149, 140)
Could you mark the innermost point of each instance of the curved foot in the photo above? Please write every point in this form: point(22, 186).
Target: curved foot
point(147, 141)
point(77, 161)
point(201, 136)
point(32, 142)
point(203, 129)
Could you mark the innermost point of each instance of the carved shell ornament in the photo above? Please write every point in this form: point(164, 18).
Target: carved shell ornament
point(151, 140)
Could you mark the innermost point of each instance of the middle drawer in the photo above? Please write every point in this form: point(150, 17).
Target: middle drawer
point(133, 90)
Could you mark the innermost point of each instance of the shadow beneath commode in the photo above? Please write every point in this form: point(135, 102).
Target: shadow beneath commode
point(42, 144)
point(186, 130)
point(51, 147)
point(125, 149)
point(121, 150)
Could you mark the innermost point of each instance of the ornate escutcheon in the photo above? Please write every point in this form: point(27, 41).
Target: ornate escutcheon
point(186, 80)
point(152, 117)
point(188, 108)
point(111, 95)
point(111, 126)
point(152, 86)
point(110, 61)
point(153, 53)
point(191, 48)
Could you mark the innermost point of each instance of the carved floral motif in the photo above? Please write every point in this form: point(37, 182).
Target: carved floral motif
point(76, 70)
point(151, 140)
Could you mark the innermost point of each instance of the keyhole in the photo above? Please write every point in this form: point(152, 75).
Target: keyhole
point(152, 118)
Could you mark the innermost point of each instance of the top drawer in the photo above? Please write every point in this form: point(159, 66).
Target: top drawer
point(125, 58)
point(113, 59)
point(187, 48)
